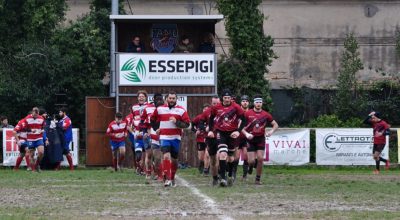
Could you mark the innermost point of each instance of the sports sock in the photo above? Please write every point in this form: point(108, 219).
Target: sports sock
point(115, 165)
point(230, 169)
point(71, 165)
point(173, 170)
point(28, 162)
point(167, 168)
point(18, 163)
point(201, 166)
point(258, 178)
point(383, 160)
point(245, 168)
point(222, 169)
point(377, 164)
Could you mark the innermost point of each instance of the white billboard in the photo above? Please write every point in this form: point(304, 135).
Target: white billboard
point(137, 69)
point(11, 149)
point(287, 147)
point(346, 146)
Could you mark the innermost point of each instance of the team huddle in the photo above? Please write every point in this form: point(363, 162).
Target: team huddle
point(224, 130)
point(31, 134)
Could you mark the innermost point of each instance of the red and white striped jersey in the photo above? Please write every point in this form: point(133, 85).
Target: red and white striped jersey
point(22, 134)
point(117, 131)
point(168, 129)
point(129, 120)
point(137, 110)
point(34, 126)
point(145, 118)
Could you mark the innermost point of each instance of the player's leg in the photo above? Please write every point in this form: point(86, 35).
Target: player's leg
point(40, 151)
point(131, 138)
point(200, 155)
point(68, 155)
point(139, 145)
point(206, 170)
point(174, 159)
point(251, 154)
point(232, 149)
point(32, 150)
point(245, 161)
point(260, 158)
point(166, 161)
point(258, 145)
point(376, 153)
point(222, 156)
point(386, 161)
point(148, 162)
point(157, 156)
point(122, 152)
point(114, 152)
point(20, 157)
point(212, 151)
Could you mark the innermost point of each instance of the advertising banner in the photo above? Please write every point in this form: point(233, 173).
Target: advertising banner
point(11, 149)
point(287, 147)
point(166, 69)
point(346, 146)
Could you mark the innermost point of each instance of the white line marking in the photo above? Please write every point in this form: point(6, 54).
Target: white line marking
point(209, 201)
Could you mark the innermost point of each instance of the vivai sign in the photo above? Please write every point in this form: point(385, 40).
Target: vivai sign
point(166, 69)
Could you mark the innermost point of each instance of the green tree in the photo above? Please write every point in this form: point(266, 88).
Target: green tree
point(71, 60)
point(24, 21)
point(251, 50)
point(346, 102)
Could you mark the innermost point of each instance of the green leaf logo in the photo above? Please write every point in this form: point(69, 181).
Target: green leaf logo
point(135, 72)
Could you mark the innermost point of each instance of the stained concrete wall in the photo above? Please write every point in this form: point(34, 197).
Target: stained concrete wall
point(308, 35)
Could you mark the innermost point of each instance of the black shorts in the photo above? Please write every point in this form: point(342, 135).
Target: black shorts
point(378, 147)
point(212, 146)
point(201, 146)
point(257, 143)
point(242, 142)
point(224, 138)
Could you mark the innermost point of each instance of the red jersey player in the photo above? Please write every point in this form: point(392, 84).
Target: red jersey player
point(227, 116)
point(204, 159)
point(117, 131)
point(21, 135)
point(211, 141)
point(170, 118)
point(255, 132)
point(380, 129)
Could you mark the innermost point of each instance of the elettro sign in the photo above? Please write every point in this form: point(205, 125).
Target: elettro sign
point(166, 69)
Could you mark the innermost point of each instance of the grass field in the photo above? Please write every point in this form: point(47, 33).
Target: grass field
point(287, 193)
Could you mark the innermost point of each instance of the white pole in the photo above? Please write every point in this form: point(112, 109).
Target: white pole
point(114, 11)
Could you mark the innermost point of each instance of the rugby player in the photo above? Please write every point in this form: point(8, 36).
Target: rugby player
point(170, 119)
point(255, 132)
point(380, 129)
point(117, 131)
point(227, 116)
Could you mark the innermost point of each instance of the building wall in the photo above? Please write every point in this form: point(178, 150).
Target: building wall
point(308, 35)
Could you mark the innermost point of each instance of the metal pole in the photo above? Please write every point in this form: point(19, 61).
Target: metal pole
point(114, 11)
